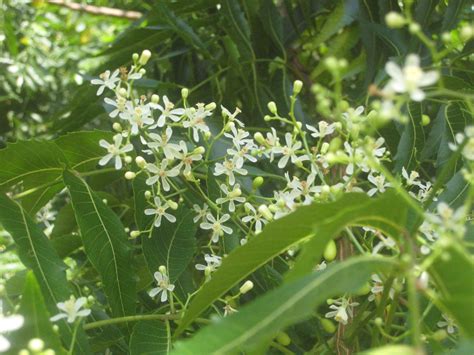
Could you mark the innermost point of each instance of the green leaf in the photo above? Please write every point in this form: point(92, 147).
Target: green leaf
point(392, 350)
point(452, 273)
point(452, 14)
point(36, 318)
point(384, 213)
point(237, 28)
point(172, 244)
point(149, 337)
point(262, 319)
point(412, 140)
point(37, 253)
point(105, 244)
point(343, 14)
point(455, 191)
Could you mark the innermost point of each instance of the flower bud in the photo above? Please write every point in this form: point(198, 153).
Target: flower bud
point(272, 107)
point(162, 269)
point(328, 325)
point(259, 138)
point(446, 37)
point(257, 182)
point(324, 147)
point(145, 57)
point(466, 32)
point(199, 150)
point(36, 345)
point(363, 290)
point(414, 28)
point(283, 339)
point(273, 208)
point(134, 234)
point(297, 86)
point(128, 159)
point(330, 251)
point(173, 205)
point(147, 194)
point(117, 127)
point(211, 106)
point(142, 71)
point(331, 63)
point(246, 287)
point(207, 134)
point(130, 175)
point(123, 92)
point(440, 335)
point(394, 20)
point(155, 98)
point(140, 161)
point(267, 118)
point(135, 57)
point(425, 120)
point(235, 193)
point(184, 93)
point(378, 321)
point(263, 209)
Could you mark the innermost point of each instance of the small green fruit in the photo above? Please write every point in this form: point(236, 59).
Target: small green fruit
point(331, 251)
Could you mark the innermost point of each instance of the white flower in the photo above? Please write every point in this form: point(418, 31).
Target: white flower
point(353, 115)
point(243, 153)
point(186, 158)
point(71, 309)
point(212, 263)
point(410, 78)
point(289, 151)
point(231, 116)
point(196, 121)
point(412, 178)
point(228, 310)
point(255, 217)
point(164, 286)
point(229, 167)
point(325, 129)
point(238, 136)
point(161, 173)
point(171, 150)
point(119, 105)
point(285, 201)
point(216, 225)
point(106, 81)
point(160, 211)
point(137, 115)
point(342, 310)
point(114, 150)
point(168, 111)
point(231, 196)
point(8, 324)
point(379, 182)
point(304, 188)
point(448, 323)
point(468, 150)
point(201, 212)
point(377, 288)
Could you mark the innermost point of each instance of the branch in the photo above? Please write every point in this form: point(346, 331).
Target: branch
point(98, 10)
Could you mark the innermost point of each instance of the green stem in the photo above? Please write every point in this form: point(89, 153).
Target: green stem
point(74, 334)
point(106, 322)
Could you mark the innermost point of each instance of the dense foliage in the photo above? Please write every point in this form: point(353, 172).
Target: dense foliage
point(250, 176)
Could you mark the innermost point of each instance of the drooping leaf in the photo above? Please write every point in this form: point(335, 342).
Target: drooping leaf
point(105, 244)
point(263, 318)
point(384, 213)
point(36, 318)
point(150, 337)
point(452, 273)
point(37, 253)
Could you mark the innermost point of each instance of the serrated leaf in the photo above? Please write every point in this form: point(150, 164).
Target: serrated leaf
point(261, 320)
point(452, 273)
point(384, 213)
point(149, 337)
point(172, 244)
point(36, 318)
point(105, 244)
point(37, 253)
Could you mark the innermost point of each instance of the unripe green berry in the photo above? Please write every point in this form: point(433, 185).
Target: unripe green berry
point(330, 251)
point(272, 107)
point(395, 20)
point(246, 287)
point(283, 339)
point(328, 325)
point(425, 120)
point(297, 86)
point(257, 182)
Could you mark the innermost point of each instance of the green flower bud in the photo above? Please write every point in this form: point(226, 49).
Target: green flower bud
point(331, 63)
point(155, 98)
point(211, 106)
point(257, 182)
point(414, 28)
point(328, 325)
point(259, 138)
point(130, 175)
point(395, 20)
point(173, 205)
point(330, 251)
point(425, 120)
point(335, 144)
point(140, 161)
point(283, 339)
point(466, 32)
point(246, 287)
point(263, 209)
point(199, 150)
point(134, 234)
point(363, 290)
point(145, 57)
point(117, 127)
point(147, 194)
point(184, 93)
point(123, 92)
point(128, 159)
point(324, 147)
point(297, 86)
point(440, 335)
point(162, 269)
point(266, 118)
point(272, 107)
point(135, 57)
point(36, 344)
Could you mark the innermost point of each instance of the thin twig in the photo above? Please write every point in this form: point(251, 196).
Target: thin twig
point(98, 10)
